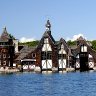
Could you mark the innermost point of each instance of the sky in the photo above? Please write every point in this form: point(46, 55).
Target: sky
point(26, 19)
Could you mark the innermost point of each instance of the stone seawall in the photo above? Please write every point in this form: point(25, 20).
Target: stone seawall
point(37, 70)
point(8, 70)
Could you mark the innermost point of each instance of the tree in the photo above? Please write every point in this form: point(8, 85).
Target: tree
point(71, 43)
point(11, 36)
point(93, 44)
point(33, 43)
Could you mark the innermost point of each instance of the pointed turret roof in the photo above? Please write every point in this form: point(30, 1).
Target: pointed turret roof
point(5, 35)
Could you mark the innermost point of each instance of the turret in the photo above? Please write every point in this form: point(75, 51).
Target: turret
point(48, 26)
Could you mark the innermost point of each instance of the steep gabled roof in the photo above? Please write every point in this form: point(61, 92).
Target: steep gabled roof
point(75, 51)
point(66, 47)
point(80, 41)
point(62, 41)
point(47, 34)
point(70, 52)
point(90, 50)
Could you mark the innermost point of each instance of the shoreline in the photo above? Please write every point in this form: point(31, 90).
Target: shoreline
point(16, 70)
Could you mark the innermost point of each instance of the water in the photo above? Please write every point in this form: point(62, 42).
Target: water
point(32, 84)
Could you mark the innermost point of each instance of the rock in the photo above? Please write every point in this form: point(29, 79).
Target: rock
point(70, 69)
point(54, 69)
point(37, 69)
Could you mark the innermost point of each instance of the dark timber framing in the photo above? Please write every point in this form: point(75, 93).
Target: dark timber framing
point(84, 55)
point(48, 54)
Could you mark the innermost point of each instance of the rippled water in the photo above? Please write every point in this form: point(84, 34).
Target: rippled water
point(32, 84)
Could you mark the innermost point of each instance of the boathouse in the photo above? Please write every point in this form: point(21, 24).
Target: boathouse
point(51, 54)
point(85, 56)
point(57, 55)
point(47, 55)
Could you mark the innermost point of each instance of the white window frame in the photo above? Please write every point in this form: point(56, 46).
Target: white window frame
point(33, 55)
point(4, 55)
point(4, 62)
point(46, 41)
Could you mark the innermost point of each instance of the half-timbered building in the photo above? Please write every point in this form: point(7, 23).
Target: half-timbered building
point(63, 54)
point(85, 56)
point(46, 54)
point(50, 54)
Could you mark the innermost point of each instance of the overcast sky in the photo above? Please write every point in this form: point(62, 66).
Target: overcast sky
point(27, 18)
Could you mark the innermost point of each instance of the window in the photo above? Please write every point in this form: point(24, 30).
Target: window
point(3, 50)
point(4, 62)
point(4, 55)
point(83, 48)
point(46, 41)
point(33, 62)
point(46, 55)
point(43, 55)
point(62, 46)
point(33, 55)
point(61, 56)
point(49, 55)
point(8, 56)
point(77, 56)
point(64, 56)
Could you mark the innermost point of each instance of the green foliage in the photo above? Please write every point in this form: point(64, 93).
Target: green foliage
point(71, 43)
point(33, 43)
point(11, 36)
point(93, 44)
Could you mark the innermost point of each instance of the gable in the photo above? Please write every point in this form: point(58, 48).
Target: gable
point(51, 42)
